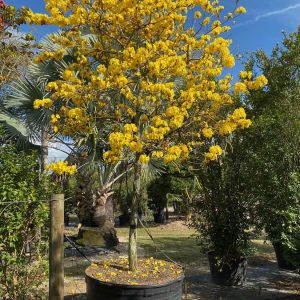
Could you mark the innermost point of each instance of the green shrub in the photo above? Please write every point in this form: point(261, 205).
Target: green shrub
point(23, 209)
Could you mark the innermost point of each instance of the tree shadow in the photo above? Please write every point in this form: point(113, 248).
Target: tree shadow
point(81, 296)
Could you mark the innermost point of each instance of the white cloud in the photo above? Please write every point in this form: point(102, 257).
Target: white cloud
point(269, 14)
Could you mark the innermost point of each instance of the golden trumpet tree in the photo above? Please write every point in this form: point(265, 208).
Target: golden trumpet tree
point(155, 83)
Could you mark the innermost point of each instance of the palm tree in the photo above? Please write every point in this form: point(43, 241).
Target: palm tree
point(95, 198)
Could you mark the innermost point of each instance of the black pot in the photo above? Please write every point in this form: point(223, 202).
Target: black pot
point(99, 290)
point(160, 217)
point(230, 273)
point(124, 220)
point(282, 262)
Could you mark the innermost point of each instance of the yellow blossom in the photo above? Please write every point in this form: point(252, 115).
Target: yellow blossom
point(123, 85)
point(62, 168)
point(213, 153)
point(240, 10)
point(44, 103)
point(197, 15)
point(207, 132)
point(144, 159)
point(240, 87)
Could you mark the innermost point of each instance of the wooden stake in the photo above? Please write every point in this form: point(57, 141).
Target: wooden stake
point(56, 248)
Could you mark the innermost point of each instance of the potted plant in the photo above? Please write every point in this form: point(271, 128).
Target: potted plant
point(138, 91)
point(223, 215)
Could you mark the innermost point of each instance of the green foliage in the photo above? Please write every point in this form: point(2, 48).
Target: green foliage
point(223, 211)
point(170, 186)
point(256, 185)
point(15, 49)
point(23, 191)
point(124, 192)
point(273, 142)
point(158, 190)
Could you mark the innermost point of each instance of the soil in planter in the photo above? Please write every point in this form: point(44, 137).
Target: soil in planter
point(150, 272)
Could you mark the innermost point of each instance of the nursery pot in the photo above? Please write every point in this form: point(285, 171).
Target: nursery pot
point(229, 274)
point(160, 217)
point(99, 290)
point(124, 220)
point(282, 262)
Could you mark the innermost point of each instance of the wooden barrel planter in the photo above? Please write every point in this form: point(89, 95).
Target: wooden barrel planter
point(98, 289)
point(230, 274)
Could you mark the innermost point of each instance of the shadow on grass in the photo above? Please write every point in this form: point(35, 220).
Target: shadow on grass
point(75, 297)
point(76, 269)
point(183, 250)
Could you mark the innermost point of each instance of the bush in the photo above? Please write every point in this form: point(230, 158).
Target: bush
point(223, 213)
point(23, 191)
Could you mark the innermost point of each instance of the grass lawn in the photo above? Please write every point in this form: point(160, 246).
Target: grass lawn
point(179, 243)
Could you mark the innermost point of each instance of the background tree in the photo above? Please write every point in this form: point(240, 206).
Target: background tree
point(171, 186)
point(15, 53)
point(274, 141)
point(122, 89)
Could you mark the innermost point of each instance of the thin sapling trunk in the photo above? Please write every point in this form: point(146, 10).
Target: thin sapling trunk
point(132, 247)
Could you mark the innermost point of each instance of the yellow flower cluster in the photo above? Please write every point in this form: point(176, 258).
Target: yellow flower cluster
point(213, 153)
point(70, 120)
point(248, 84)
point(240, 10)
point(44, 103)
point(62, 168)
point(240, 87)
point(122, 141)
point(176, 152)
point(207, 132)
point(236, 120)
point(147, 78)
point(144, 159)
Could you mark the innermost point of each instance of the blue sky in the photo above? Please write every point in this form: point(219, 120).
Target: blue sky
point(260, 28)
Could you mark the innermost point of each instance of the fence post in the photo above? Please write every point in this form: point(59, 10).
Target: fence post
point(56, 248)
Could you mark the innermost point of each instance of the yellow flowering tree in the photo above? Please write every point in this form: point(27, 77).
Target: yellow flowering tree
point(144, 82)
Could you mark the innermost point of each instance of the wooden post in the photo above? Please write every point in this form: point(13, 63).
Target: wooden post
point(56, 248)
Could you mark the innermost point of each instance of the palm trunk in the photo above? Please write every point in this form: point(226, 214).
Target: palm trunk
point(45, 149)
point(132, 248)
point(95, 208)
point(85, 197)
point(44, 162)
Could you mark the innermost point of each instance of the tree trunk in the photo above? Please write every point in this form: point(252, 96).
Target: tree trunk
point(85, 197)
point(44, 162)
point(45, 149)
point(132, 247)
point(95, 208)
point(103, 216)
